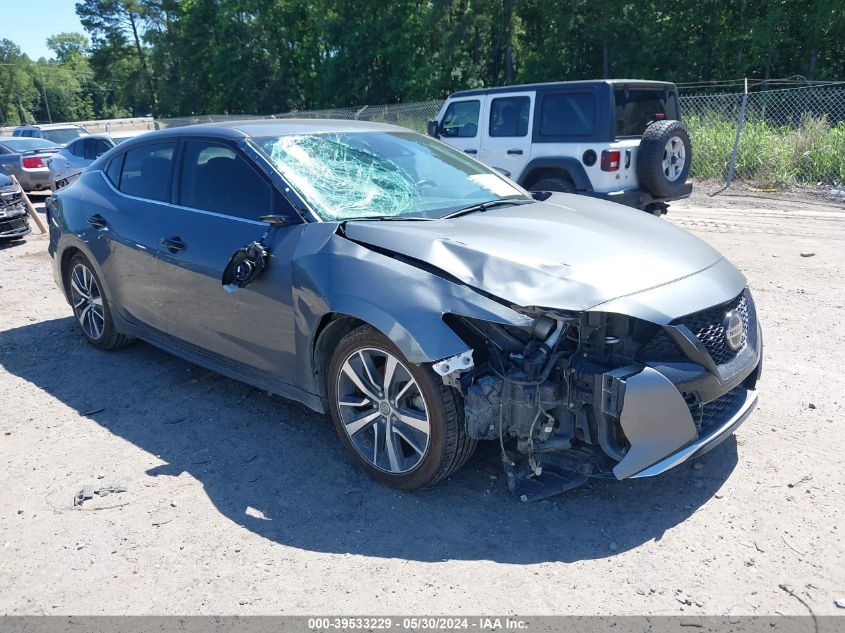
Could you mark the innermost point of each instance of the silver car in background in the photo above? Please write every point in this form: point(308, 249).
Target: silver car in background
point(60, 133)
point(26, 159)
point(74, 157)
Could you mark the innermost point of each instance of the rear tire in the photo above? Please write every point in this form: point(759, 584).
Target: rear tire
point(563, 185)
point(90, 305)
point(373, 429)
point(664, 158)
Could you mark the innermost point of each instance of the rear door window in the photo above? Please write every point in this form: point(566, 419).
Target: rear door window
point(146, 171)
point(568, 114)
point(216, 178)
point(461, 119)
point(77, 148)
point(113, 169)
point(509, 116)
point(95, 147)
point(633, 111)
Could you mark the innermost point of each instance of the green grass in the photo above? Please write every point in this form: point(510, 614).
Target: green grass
point(769, 155)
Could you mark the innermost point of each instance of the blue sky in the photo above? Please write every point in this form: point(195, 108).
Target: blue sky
point(28, 23)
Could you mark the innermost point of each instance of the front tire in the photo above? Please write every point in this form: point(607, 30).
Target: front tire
point(90, 305)
point(398, 420)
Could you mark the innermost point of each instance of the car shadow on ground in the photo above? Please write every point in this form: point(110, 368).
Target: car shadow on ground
point(277, 469)
point(6, 243)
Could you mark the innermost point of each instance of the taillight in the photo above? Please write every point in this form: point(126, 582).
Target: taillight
point(610, 160)
point(32, 162)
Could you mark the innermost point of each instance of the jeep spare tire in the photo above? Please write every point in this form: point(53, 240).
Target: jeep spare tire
point(664, 158)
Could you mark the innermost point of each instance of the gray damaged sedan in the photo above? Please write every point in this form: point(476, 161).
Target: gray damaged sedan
point(422, 300)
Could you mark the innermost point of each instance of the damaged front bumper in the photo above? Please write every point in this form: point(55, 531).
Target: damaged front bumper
point(661, 429)
point(708, 442)
point(612, 396)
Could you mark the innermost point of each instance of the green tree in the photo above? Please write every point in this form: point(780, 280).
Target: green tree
point(18, 93)
point(115, 20)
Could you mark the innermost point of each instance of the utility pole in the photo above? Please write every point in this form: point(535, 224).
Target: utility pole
point(44, 93)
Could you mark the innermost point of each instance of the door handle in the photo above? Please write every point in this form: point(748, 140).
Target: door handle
point(470, 151)
point(174, 244)
point(97, 221)
point(515, 151)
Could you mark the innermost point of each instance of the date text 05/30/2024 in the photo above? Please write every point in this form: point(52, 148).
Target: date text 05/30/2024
point(417, 623)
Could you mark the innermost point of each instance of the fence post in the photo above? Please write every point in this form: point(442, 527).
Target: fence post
point(732, 161)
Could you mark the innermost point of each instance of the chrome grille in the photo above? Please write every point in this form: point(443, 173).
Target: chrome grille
point(709, 326)
point(11, 202)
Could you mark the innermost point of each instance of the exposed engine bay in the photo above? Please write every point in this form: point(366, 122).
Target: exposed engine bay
point(575, 396)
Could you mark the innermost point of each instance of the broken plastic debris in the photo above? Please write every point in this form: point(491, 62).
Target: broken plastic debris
point(88, 491)
point(255, 514)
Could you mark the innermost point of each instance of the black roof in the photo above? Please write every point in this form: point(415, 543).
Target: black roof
point(564, 84)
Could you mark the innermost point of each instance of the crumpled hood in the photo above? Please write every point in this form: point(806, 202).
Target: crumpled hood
point(569, 252)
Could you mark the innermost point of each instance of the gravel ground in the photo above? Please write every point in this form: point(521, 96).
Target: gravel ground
point(238, 502)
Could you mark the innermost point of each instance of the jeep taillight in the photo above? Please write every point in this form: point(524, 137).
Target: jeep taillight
point(610, 160)
point(32, 162)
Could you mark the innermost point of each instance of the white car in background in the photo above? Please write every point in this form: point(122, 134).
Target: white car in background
point(75, 157)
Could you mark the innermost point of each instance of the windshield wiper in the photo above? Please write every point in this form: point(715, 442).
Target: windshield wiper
point(483, 206)
point(387, 218)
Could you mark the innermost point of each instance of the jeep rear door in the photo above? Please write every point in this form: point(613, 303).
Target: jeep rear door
point(506, 133)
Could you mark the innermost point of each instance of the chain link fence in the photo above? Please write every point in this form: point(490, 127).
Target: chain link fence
point(770, 139)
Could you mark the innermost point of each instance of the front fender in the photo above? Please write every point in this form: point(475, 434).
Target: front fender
point(404, 302)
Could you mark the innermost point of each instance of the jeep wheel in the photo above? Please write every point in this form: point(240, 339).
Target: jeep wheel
point(664, 158)
point(563, 185)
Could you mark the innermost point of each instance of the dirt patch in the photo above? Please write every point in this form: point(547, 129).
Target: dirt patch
point(713, 194)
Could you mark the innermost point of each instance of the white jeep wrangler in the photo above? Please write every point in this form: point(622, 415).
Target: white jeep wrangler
point(617, 139)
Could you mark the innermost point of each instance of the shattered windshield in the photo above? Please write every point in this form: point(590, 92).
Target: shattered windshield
point(345, 175)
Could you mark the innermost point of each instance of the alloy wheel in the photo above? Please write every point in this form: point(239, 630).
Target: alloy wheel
point(87, 301)
point(674, 158)
point(383, 411)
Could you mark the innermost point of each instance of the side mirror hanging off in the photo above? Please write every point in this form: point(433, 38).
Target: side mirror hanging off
point(245, 266)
